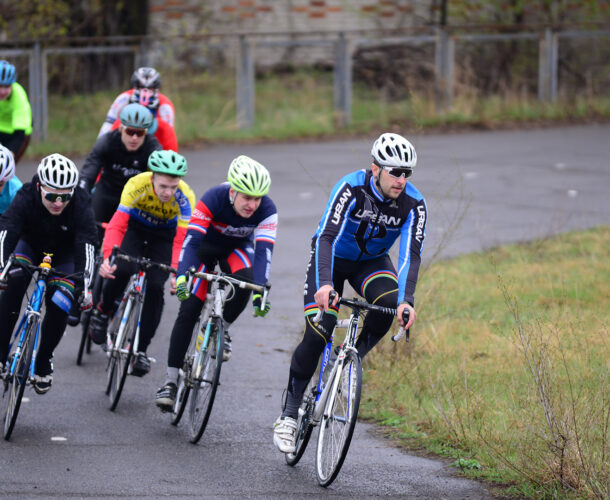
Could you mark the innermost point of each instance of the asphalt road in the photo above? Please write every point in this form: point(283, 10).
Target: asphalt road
point(482, 189)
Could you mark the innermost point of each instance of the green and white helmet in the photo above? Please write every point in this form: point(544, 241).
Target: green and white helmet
point(249, 177)
point(168, 163)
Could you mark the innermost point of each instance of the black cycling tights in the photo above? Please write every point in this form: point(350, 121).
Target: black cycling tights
point(375, 280)
point(189, 312)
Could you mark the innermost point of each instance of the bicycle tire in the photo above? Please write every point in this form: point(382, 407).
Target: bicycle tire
point(85, 339)
point(182, 395)
point(19, 379)
point(122, 356)
point(304, 427)
point(205, 385)
point(339, 420)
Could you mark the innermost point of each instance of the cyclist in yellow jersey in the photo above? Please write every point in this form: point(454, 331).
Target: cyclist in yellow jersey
point(15, 112)
point(151, 221)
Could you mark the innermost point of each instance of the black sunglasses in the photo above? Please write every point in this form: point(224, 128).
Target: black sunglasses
point(139, 132)
point(399, 171)
point(54, 197)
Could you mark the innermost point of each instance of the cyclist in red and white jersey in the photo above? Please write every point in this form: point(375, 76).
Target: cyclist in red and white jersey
point(146, 83)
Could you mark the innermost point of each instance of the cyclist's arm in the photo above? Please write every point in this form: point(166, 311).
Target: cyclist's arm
point(264, 238)
point(14, 141)
point(166, 110)
point(196, 231)
point(186, 201)
point(166, 135)
point(115, 231)
point(94, 164)
point(12, 223)
point(341, 203)
point(86, 234)
point(412, 237)
point(113, 112)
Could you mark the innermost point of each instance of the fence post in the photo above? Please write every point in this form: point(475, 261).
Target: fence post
point(245, 85)
point(343, 81)
point(44, 94)
point(548, 66)
point(444, 51)
point(34, 68)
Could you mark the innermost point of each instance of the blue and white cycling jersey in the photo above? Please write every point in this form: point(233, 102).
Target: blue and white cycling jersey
point(359, 223)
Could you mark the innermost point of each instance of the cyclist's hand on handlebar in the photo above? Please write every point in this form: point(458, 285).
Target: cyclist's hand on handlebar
point(322, 297)
point(257, 298)
point(182, 289)
point(86, 300)
point(106, 270)
point(412, 315)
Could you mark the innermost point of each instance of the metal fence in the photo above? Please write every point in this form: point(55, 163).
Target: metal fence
point(343, 45)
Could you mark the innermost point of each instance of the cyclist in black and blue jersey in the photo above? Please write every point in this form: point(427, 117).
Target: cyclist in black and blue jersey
point(49, 214)
point(367, 212)
point(234, 224)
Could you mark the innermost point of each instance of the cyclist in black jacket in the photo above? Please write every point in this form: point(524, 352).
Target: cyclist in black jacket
point(367, 212)
point(49, 214)
point(118, 155)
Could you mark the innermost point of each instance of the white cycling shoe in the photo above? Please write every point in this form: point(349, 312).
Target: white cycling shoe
point(284, 433)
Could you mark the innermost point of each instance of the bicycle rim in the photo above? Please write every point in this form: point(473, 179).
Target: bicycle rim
point(182, 396)
point(18, 381)
point(205, 385)
point(304, 428)
point(339, 420)
point(122, 356)
point(114, 331)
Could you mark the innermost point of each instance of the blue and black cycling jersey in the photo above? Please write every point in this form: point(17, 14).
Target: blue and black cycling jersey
point(359, 223)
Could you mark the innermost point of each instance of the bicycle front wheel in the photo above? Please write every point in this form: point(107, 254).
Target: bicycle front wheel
point(182, 396)
point(121, 354)
point(304, 427)
point(339, 419)
point(85, 338)
point(206, 374)
point(15, 384)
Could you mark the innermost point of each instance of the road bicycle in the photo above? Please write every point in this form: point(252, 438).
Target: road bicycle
point(96, 291)
point(26, 337)
point(333, 398)
point(123, 334)
point(199, 377)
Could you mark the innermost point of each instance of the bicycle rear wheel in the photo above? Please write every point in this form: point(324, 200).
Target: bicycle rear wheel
point(182, 395)
point(339, 420)
point(17, 381)
point(85, 338)
point(121, 355)
point(206, 374)
point(304, 427)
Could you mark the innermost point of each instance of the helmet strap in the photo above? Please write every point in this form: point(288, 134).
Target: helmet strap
point(232, 195)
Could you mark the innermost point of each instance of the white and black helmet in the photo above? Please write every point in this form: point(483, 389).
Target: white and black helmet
point(57, 172)
point(393, 150)
point(7, 164)
point(146, 78)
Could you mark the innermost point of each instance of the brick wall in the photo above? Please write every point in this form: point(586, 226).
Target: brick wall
point(229, 16)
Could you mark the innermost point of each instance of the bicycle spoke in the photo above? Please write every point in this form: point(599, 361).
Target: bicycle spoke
point(204, 386)
point(339, 421)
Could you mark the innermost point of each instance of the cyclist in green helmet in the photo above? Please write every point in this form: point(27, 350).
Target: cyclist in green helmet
point(234, 225)
point(151, 221)
point(15, 112)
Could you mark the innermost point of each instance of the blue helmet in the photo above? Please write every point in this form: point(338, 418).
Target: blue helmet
point(8, 73)
point(136, 116)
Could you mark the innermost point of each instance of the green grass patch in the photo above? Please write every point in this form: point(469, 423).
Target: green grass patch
point(293, 106)
point(508, 367)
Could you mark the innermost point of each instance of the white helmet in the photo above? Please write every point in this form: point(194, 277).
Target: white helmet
point(393, 150)
point(57, 172)
point(7, 164)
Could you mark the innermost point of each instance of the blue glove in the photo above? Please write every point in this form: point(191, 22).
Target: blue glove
point(182, 291)
point(256, 303)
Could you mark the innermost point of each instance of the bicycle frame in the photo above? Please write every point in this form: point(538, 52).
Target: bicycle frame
point(32, 310)
point(136, 290)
